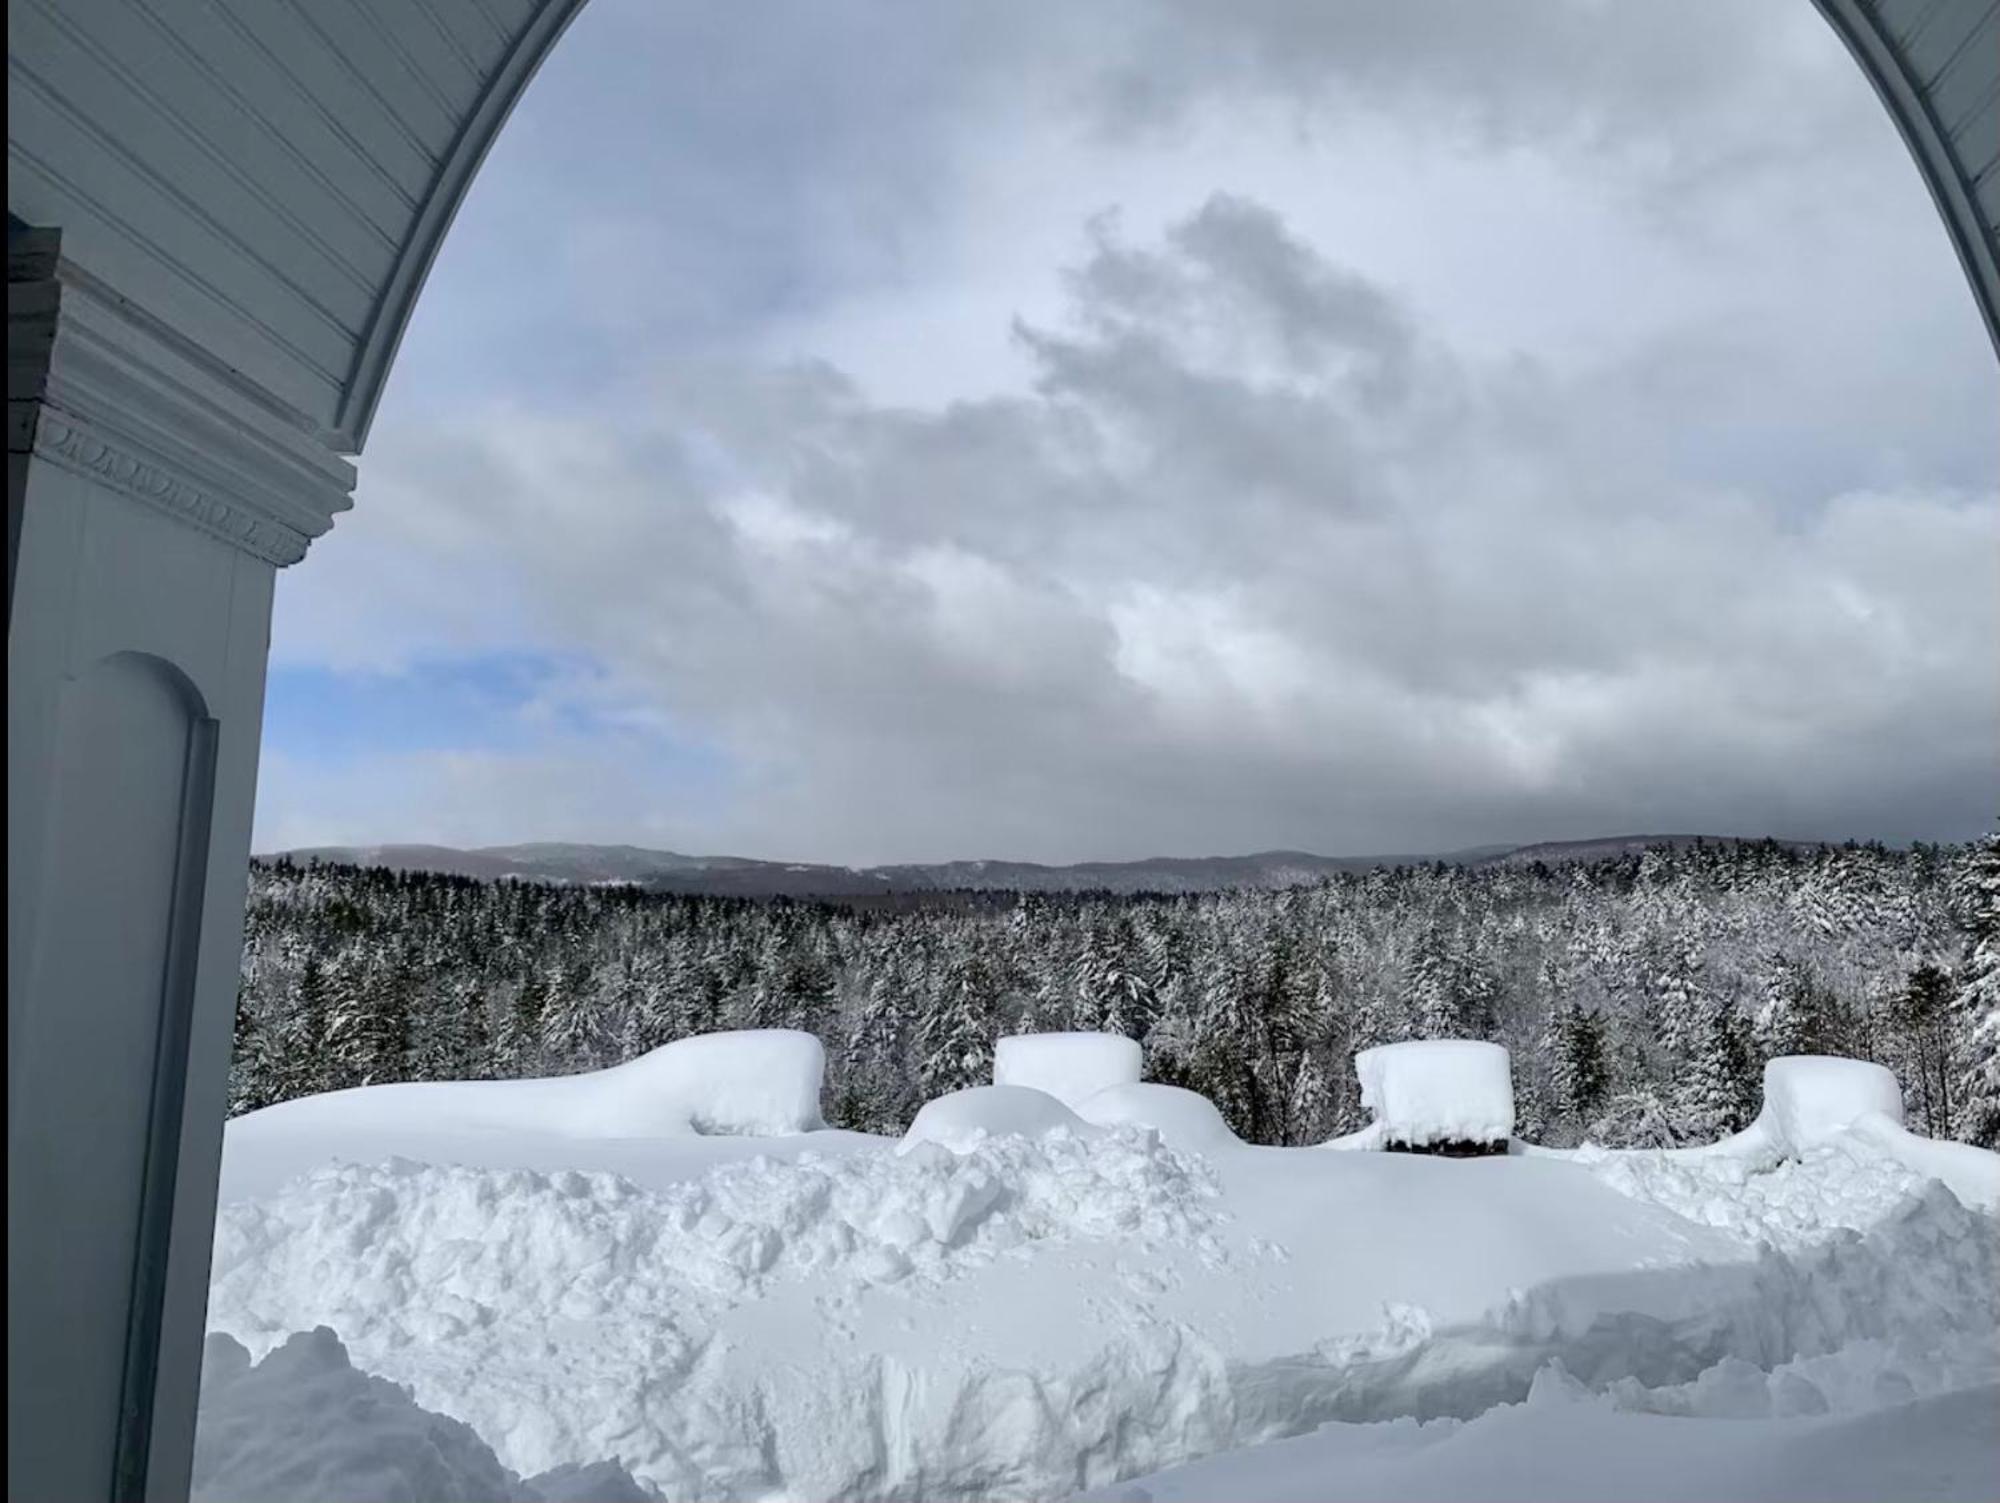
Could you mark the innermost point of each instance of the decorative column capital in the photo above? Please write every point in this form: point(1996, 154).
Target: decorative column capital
point(116, 397)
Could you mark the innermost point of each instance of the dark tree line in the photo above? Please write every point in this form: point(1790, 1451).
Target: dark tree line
point(1639, 995)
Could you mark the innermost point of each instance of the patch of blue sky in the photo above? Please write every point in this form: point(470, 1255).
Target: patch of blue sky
point(498, 702)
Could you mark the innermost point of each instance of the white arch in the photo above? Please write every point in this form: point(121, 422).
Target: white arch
point(271, 181)
point(1935, 64)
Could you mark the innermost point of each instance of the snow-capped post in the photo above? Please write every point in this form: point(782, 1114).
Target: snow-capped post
point(1072, 1067)
point(1453, 1097)
point(1810, 1097)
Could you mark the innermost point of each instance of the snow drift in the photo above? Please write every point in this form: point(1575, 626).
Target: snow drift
point(1185, 1119)
point(303, 1423)
point(1020, 1299)
point(964, 1119)
point(755, 1082)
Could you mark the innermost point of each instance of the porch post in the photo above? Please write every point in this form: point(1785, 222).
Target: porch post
point(151, 499)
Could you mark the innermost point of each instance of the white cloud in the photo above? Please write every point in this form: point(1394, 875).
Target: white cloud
point(1505, 431)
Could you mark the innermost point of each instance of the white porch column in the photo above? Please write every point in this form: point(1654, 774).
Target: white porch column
point(151, 498)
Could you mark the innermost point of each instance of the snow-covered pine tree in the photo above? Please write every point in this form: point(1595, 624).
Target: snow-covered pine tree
point(570, 1020)
point(1916, 1025)
point(1635, 1118)
point(250, 1082)
point(301, 1066)
point(1222, 1063)
point(1799, 1015)
point(1976, 1008)
point(520, 1045)
point(1427, 987)
point(1580, 1073)
point(1715, 1088)
point(368, 1030)
point(955, 1041)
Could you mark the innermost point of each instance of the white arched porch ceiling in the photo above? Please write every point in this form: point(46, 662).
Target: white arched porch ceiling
point(269, 179)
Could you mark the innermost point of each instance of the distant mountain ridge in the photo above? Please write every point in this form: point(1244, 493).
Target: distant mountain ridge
point(743, 876)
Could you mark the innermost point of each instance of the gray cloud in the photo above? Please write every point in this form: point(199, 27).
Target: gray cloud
point(1270, 546)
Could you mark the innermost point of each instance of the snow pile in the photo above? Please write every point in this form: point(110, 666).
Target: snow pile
point(1854, 1378)
point(1809, 1097)
point(1812, 1101)
point(1439, 1091)
point(577, 1315)
point(1839, 1184)
point(1864, 1266)
point(1972, 1174)
point(1564, 1444)
point(964, 1119)
point(1023, 1300)
point(1187, 1120)
point(759, 1082)
point(303, 1423)
point(1369, 1139)
point(1072, 1067)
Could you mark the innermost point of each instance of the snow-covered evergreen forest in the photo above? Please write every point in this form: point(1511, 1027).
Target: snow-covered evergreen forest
point(1639, 995)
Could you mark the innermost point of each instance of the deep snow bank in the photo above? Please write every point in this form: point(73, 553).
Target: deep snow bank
point(705, 1333)
point(755, 1082)
point(305, 1424)
point(1811, 1102)
point(1564, 1445)
point(1052, 1311)
point(1023, 1300)
point(673, 1112)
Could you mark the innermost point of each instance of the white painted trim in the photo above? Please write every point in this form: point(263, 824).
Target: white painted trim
point(167, 427)
point(1860, 26)
point(391, 317)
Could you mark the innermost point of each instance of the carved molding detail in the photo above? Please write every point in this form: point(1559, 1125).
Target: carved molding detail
point(62, 440)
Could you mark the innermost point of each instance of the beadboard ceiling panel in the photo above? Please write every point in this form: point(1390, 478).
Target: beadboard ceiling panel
point(268, 179)
point(1936, 66)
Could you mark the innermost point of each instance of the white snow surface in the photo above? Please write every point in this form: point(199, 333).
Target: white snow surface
point(1186, 1119)
point(699, 1100)
point(757, 1082)
point(1563, 1444)
point(1072, 1067)
point(1809, 1097)
point(1024, 1301)
point(303, 1423)
point(1439, 1090)
point(964, 1119)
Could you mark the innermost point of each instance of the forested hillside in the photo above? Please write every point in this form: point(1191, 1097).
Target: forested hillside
point(1638, 994)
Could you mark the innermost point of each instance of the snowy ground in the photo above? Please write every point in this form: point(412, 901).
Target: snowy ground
point(1119, 1297)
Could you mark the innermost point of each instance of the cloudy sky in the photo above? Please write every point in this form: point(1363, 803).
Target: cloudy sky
point(916, 429)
